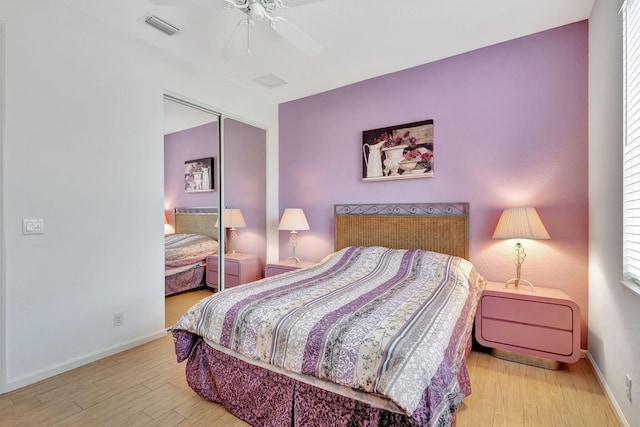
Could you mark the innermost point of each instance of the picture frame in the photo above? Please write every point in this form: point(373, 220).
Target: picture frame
point(198, 175)
point(398, 152)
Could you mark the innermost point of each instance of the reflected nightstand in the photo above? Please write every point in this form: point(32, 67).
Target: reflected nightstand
point(238, 269)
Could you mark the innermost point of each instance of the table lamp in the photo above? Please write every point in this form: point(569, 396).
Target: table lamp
point(520, 223)
point(293, 219)
point(233, 220)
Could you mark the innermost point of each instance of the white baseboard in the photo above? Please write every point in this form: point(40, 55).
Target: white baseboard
point(607, 390)
point(76, 363)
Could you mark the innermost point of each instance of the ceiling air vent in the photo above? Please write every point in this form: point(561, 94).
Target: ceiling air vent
point(161, 25)
point(270, 80)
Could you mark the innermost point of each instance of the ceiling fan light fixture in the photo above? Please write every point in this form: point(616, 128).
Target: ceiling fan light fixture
point(270, 80)
point(161, 25)
point(256, 11)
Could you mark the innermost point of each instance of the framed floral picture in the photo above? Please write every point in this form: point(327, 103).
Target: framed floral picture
point(398, 152)
point(198, 175)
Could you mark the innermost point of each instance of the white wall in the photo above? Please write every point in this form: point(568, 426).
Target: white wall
point(614, 310)
point(83, 150)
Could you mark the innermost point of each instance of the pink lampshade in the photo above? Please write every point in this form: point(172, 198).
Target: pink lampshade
point(520, 223)
point(293, 219)
point(233, 218)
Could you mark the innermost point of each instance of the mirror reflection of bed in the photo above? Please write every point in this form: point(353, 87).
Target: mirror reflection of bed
point(186, 253)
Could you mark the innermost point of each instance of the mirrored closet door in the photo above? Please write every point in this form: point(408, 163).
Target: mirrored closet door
point(215, 185)
point(244, 195)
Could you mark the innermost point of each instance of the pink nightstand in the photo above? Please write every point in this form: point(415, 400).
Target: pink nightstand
point(238, 269)
point(284, 266)
point(544, 324)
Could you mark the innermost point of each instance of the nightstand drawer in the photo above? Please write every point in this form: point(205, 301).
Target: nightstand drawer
point(231, 280)
point(533, 313)
point(276, 268)
point(238, 269)
point(231, 267)
point(553, 341)
point(211, 274)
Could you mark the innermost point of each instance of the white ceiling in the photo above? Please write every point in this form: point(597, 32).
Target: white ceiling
point(360, 38)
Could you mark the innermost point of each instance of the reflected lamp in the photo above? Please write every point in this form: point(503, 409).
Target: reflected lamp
point(233, 220)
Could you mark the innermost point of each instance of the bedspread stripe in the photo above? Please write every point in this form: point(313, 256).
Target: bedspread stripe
point(317, 343)
point(245, 305)
point(424, 317)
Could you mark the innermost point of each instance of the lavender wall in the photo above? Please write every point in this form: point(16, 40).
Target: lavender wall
point(190, 144)
point(245, 173)
point(510, 130)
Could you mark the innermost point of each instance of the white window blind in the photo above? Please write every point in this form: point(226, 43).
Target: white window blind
point(631, 121)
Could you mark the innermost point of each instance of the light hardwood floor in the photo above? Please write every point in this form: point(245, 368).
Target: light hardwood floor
point(146, 387)
point(175, 305)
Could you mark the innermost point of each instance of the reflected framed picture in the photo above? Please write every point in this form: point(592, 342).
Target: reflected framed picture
point(398, 152)
point(198, 175)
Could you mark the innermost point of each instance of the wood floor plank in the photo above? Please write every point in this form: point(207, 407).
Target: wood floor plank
point(173, 372)
point(504, 421)
point(70, 391)
point(109, 411)
point(12, 414)
point(194, 407)
point(168, 401)
point(483, 395)
point(135, 373)
point(137, 419)
point(5, 401)
point(170, 419)
point(44, 414)
point(145, 386)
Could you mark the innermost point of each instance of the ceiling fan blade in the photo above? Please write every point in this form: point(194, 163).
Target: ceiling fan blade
point(238, 43)
point(186, 3)
point(297, 37)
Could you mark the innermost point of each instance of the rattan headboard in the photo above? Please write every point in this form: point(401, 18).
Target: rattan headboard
point(197, 221)
point(438, 227)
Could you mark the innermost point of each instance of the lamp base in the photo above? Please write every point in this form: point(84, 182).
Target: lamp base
point(516, 282)
point(295, 258)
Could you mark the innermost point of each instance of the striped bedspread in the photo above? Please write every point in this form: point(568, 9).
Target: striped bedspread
point(184, 251)
point(392, 322)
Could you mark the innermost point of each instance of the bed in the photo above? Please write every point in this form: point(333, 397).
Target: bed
point(376, 334)
point(187, 249)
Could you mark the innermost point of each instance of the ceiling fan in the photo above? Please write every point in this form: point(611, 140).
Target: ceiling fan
point(255, 11)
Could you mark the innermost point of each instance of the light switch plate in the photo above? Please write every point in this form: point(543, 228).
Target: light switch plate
point(32, 226)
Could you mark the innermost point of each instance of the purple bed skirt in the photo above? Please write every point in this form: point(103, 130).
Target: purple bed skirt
point(268, 399)
point(184, 281)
